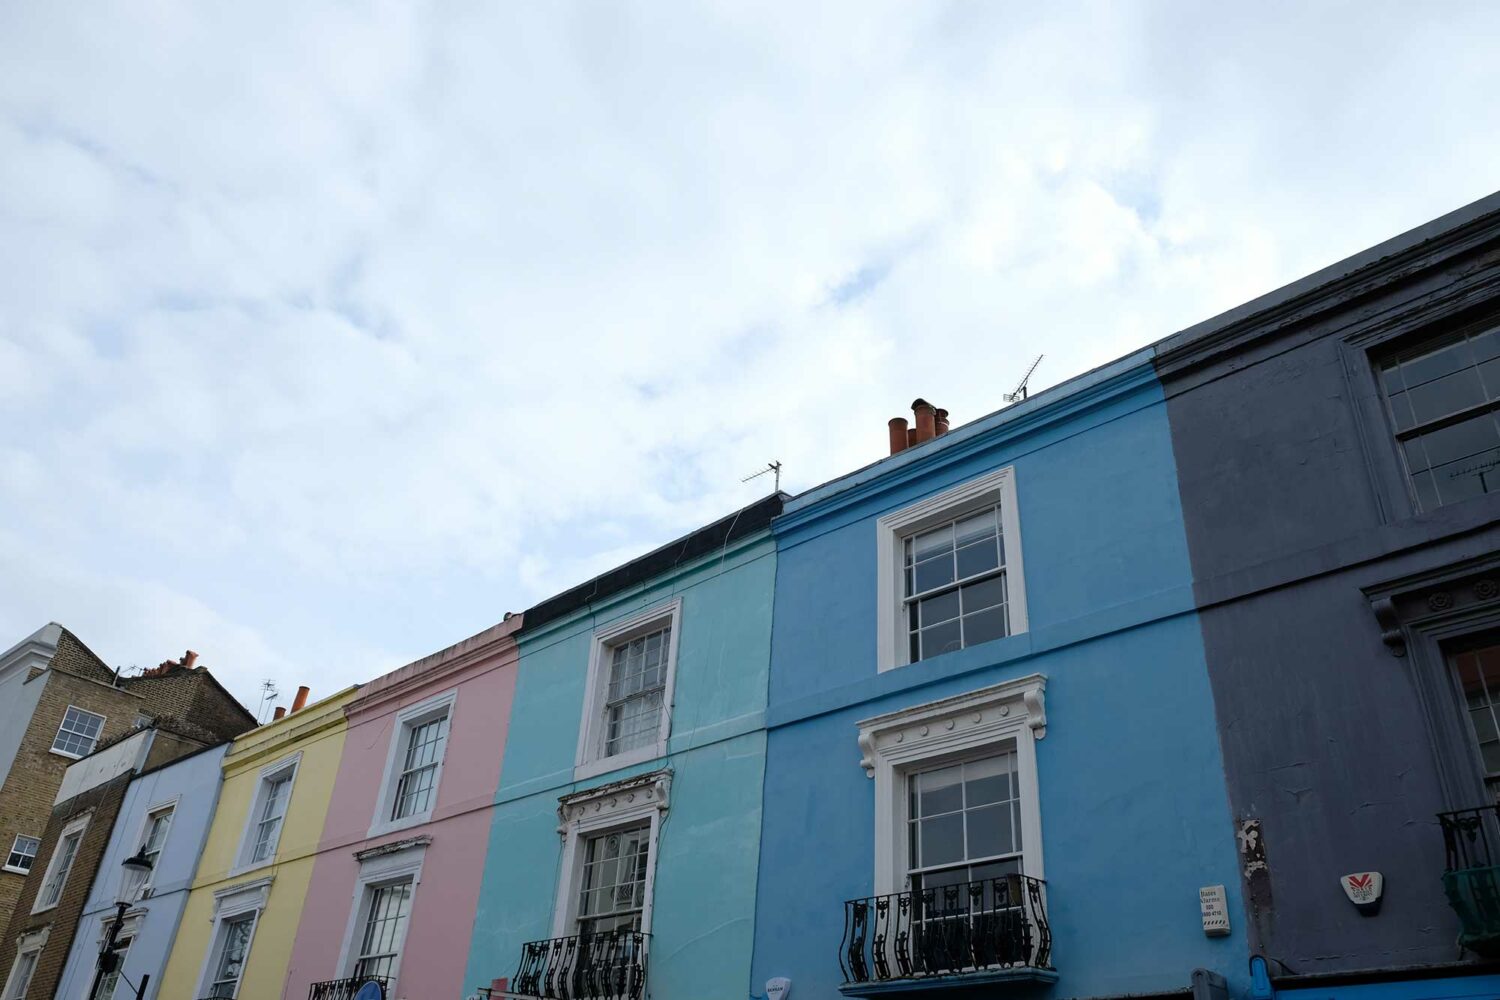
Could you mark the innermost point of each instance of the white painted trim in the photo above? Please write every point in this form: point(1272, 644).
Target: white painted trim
point(79, 826)
point(103, 722)
point(957, 728)
point(598, 810)
point(404, 722)
point(588, 762)
point(384, 869)
point(229, 903)
point(31, 942)
point(144, 889)
point(891, 531)
point(21, 871)
point(242, 863)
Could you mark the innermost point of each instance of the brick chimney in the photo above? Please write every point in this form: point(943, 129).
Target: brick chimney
point(930, 422)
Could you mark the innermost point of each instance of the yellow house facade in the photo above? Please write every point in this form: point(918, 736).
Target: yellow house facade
point(242, 913)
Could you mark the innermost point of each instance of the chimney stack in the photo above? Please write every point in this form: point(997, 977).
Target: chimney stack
point(898, 434)
point(930, 422)
point(189, 658)
point(280, 713)
point(300, 700)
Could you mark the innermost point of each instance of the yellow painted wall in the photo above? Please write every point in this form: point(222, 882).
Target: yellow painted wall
point(317, 732)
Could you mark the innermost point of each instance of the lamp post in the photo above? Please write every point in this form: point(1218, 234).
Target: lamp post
point(138, 865)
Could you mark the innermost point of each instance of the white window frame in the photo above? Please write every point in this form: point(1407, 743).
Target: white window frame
point(30, 943)
point(143, 890)
point(590, 761)
point(290, 764)
point(130, 929)
point(380, 867)
point(103, 721)
point(12, 868)
point(891, 531)
point(407, 720)
point(615, 806)
point(1010, 715)
point(77, 826)
point(230, 904)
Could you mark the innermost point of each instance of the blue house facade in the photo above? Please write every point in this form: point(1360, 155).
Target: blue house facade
point(992, 766)
point(624, 844)
point(164, 816)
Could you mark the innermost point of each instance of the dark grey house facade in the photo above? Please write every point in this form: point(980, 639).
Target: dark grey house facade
point(1338, 453)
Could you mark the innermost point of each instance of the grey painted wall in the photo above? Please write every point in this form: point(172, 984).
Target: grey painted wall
point(1295, 507)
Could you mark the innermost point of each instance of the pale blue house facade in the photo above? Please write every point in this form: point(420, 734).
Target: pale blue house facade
point(165, 815)
point(625, 839)
point(992, 765)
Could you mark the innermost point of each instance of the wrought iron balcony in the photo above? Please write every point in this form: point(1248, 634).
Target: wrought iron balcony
point(345, 989)
point(985, 931)
point(1471, 877)
point(608, 966)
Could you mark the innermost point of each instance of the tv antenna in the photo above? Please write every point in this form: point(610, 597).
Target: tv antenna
point(1020, 393)
point(268, 693)
point(772, 467)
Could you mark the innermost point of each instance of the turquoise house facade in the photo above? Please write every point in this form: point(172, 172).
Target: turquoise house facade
point(992, 763)
point(625, 839)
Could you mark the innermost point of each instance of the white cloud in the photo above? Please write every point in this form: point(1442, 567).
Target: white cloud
point(330, 333)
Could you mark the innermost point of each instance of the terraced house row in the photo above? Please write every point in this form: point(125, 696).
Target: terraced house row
point(1181, 678)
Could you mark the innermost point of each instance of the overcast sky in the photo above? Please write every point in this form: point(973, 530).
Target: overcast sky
point(331, 332)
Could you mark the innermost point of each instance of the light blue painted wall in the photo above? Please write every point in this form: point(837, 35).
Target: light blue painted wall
point(18, 700)
point(193, 783)
point(702, 924)
point(1133, 810)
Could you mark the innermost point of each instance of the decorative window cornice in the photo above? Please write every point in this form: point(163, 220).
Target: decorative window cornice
point(962, 722)
point(394, 847)
point(618, 801)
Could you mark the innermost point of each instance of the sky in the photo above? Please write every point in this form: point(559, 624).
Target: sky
point(331, 332)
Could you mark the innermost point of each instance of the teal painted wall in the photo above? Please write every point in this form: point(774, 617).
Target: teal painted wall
point(708, 845)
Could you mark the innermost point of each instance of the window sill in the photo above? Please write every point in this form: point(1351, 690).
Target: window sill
point(16, 871)
point(405, 823)
point(604, 765)
point(44, 909)
point(239, 870)
point(65, 755)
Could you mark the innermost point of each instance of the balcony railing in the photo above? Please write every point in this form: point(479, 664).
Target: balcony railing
point(608, 966)
point(345, 989)
point(993, 928)
point(1471, 878)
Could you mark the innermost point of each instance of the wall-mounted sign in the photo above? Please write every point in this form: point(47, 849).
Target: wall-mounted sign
point(1364, 890)
point(778, 988)
point(1215, 905)
point(370, 991)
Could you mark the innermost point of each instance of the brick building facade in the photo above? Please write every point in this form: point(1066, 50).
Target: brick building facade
point(50, 681)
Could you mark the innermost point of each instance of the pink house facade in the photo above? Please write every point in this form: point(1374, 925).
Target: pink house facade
point(396, 883)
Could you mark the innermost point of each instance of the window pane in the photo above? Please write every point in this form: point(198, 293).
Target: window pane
point(939, 608)
point(930, 573)
point(989, 831)
point(985, 627)
point(941, 639)
point(1401, 411)
point(989, 780)
point(1443, 356)
point(973, 529)
point(984, 594)
point(978, 558)
point(939, 791)
point(1484, 725)
point(933, 543)
point(942, 840)
point(1469, 437)
point(1446, 395)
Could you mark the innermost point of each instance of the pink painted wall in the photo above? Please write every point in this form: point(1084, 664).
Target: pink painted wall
point(482, 670)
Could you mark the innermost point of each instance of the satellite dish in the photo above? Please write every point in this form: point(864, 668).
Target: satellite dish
point(370, 991)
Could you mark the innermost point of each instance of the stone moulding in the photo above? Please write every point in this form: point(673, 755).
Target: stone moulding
point(967, 720)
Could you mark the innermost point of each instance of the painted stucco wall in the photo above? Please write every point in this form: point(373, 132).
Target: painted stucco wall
point(317, 732)
point(446, 896)
point(18, 700)
point(706, 854)
point(1134, 816)
point(192, 786)
point(1295, 505)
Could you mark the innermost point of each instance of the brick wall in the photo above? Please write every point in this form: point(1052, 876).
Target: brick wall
point(35, 774)
point(193, 695)
point(102, 805)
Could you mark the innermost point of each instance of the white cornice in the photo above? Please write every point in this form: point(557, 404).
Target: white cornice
point(961, 722)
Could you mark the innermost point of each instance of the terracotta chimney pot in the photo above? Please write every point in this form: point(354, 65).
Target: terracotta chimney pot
point(941, 422)
point(300, 700)
point(926, 420)
point(280, 713)
point(898, 434)
point(189, 658)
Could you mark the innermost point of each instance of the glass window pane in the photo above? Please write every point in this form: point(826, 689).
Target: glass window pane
point(989, 831)
point(933, 543)
point(1484, 725)
point(930, 573)
point(1427, 495)
point(986, 626)
point(1401, 411)
point(1443, 356)
point(1469, 437)
point(1446, 395)
point(989, 780)
point(983, 594)
point(940, 639)
point(1491, 754)
point(942, 840)
point(939, 791)
point(978, 558)
point(940, 608)
point(973, 529)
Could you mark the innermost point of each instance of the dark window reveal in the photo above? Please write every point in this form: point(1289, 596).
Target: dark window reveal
point(1444, 396)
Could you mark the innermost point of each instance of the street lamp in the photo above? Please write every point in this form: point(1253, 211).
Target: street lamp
point(137, 868)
